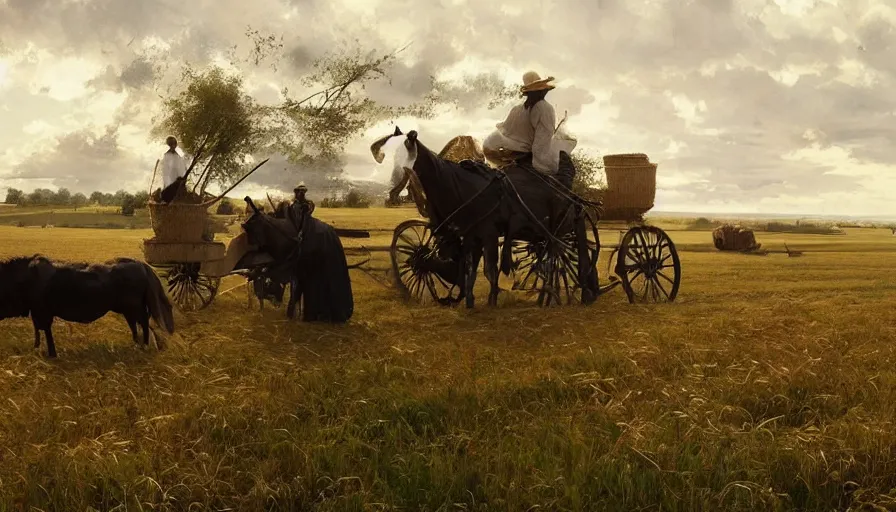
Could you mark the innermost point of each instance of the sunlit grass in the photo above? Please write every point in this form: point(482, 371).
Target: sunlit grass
point(768, 385)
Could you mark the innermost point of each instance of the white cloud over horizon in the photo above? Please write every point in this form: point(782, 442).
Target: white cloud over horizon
point(765, 106)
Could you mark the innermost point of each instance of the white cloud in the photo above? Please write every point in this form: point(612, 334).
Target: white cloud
point(716, 92)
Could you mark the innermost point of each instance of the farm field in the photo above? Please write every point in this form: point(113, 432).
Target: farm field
point(768, 385)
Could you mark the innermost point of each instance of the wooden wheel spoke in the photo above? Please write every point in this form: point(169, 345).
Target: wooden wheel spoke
point(652, 254)
point(659, 285)
point(664, 276)
point(418, 261)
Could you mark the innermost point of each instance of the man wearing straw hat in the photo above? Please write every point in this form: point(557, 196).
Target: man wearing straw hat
point(530, 129)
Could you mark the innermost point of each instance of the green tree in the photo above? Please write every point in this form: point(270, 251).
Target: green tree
point(41, 197)
point(62, 197)
point(215, 122)
point(118, 198)
point(128, 205)
point(96, 198)
point(588, 169)
point(140, 200)
point(14, 196)
point(79, 200)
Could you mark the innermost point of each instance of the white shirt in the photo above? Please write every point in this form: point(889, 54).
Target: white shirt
point(533, 130)
point(173, 167)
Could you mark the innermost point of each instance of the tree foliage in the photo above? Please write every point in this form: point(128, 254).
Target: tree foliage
point(215, 122)
point(14, 196)
point(338, 108)
point(588, 173)
point(322, 123)
point(321, 113)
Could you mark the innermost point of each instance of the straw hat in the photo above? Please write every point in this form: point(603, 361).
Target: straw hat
point(300, 187)
point(532, 81)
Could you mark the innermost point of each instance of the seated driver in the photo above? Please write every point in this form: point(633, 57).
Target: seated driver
point(530, 128)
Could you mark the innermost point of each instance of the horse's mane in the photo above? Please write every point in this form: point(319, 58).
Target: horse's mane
point(74, 265)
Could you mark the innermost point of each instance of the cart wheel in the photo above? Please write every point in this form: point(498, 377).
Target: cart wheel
point(425, 267)
point(552, 272)
point(191, 290)
point(648, 264)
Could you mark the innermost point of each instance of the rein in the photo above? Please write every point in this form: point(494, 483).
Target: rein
point(467, 203)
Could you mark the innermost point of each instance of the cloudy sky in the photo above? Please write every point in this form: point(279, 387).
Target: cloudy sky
point(771, 106)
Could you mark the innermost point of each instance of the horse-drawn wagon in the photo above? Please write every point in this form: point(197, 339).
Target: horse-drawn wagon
point(185, 251)
point(193, 263)
point(551, 251)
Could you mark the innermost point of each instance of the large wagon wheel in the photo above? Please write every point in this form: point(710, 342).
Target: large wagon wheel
point(190, 289)
point(648, 264)
point(425, 267)
point(551, 269)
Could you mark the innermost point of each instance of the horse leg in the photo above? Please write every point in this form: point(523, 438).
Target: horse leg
point(51, 346)
point(144, 324)
point(133, 325)
point(472, 256)
point(587, 279)
point(294, 295)
point(491, 268)
point(41, 324)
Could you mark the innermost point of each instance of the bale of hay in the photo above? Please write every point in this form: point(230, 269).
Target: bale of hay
point(734, 238)
point(631, 183)
point(463, 147)
point(178, 222)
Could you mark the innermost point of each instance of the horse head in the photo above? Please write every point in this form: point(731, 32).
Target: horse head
point(16, 279)
point(270, 234)
point(405, 154)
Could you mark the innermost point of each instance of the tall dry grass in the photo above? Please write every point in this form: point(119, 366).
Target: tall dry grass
point(769, 385)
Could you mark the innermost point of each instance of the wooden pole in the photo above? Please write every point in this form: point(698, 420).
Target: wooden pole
point(215, 200)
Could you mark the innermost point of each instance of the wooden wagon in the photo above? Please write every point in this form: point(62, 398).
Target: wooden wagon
point(193, 263)
point(185, 252)
point(645, 262)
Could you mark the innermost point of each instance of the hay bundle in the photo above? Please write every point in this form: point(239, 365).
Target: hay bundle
point(631, 182)
point(463, 147)
point(734, 238)
point(178, 222)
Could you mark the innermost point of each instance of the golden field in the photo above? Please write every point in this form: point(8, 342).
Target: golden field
point(768, 385)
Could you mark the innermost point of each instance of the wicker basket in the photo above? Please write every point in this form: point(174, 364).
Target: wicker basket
point(631, 182)
point(626, 160)
point(178, 222)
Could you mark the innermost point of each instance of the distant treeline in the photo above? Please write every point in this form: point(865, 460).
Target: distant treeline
point(799, 226)
point(63, 197)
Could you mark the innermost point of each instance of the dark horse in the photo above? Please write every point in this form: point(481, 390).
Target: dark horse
point(478, 203)
point(307, 254)
point(83, 293)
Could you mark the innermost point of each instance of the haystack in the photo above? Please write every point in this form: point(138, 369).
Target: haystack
point(463, 147)
point(734, 238)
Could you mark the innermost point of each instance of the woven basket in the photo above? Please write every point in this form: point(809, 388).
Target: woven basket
point(626, 160)
point(631, 182)
point(178, 222)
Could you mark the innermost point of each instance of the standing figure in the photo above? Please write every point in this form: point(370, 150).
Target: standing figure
point(174, 169)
